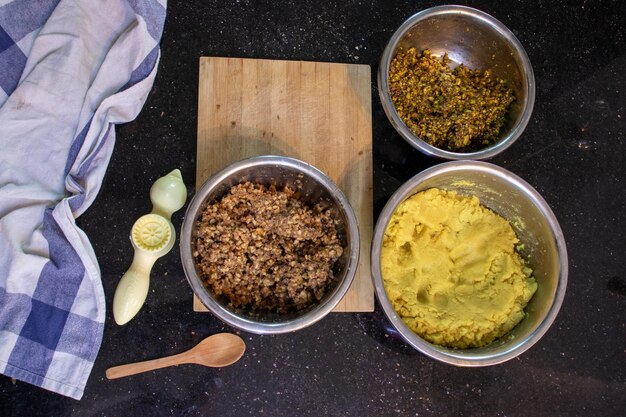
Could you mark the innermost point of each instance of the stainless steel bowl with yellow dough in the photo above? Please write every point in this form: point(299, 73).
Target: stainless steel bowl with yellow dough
point(468, 224)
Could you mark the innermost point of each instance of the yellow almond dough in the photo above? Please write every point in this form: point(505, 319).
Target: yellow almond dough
point(451, 271)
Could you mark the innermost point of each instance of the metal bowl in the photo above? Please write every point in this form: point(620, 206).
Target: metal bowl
point(477, 40)
point(536, 228)
point(313, 187)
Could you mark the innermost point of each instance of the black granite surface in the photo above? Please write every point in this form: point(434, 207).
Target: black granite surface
point(572, 152)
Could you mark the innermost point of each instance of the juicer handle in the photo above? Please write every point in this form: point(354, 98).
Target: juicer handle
point(132, 290)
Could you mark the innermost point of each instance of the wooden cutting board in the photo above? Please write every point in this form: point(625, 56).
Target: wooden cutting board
point(317, 112)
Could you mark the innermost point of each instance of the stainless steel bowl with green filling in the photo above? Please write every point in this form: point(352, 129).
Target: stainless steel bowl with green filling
point(479, 41)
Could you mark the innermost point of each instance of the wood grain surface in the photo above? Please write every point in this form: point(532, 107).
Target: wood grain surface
point(316, 112)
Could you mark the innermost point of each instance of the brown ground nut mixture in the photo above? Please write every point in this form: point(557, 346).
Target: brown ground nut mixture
point(265, 250)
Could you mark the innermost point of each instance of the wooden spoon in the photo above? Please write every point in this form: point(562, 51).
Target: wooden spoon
point(215, 351)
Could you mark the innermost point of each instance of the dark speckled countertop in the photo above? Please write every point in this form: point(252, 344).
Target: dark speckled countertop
point(572, 152)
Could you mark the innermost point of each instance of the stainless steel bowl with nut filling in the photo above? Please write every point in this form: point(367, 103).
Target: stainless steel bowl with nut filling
point(543, 246)
point(313, 188)
point(477, 40)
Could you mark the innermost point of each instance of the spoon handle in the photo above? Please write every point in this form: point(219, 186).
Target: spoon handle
point(139, 367)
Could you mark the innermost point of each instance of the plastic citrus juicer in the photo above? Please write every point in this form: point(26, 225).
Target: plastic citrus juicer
point(152, 237)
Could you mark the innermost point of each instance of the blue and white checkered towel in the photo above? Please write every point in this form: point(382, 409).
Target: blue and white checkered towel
point(69, 71)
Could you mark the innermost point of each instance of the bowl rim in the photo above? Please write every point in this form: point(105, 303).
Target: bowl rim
point(450, 356)
point(247, 324)
point(406, 133)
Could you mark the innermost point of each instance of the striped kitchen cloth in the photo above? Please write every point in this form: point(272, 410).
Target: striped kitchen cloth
point(69, 71)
